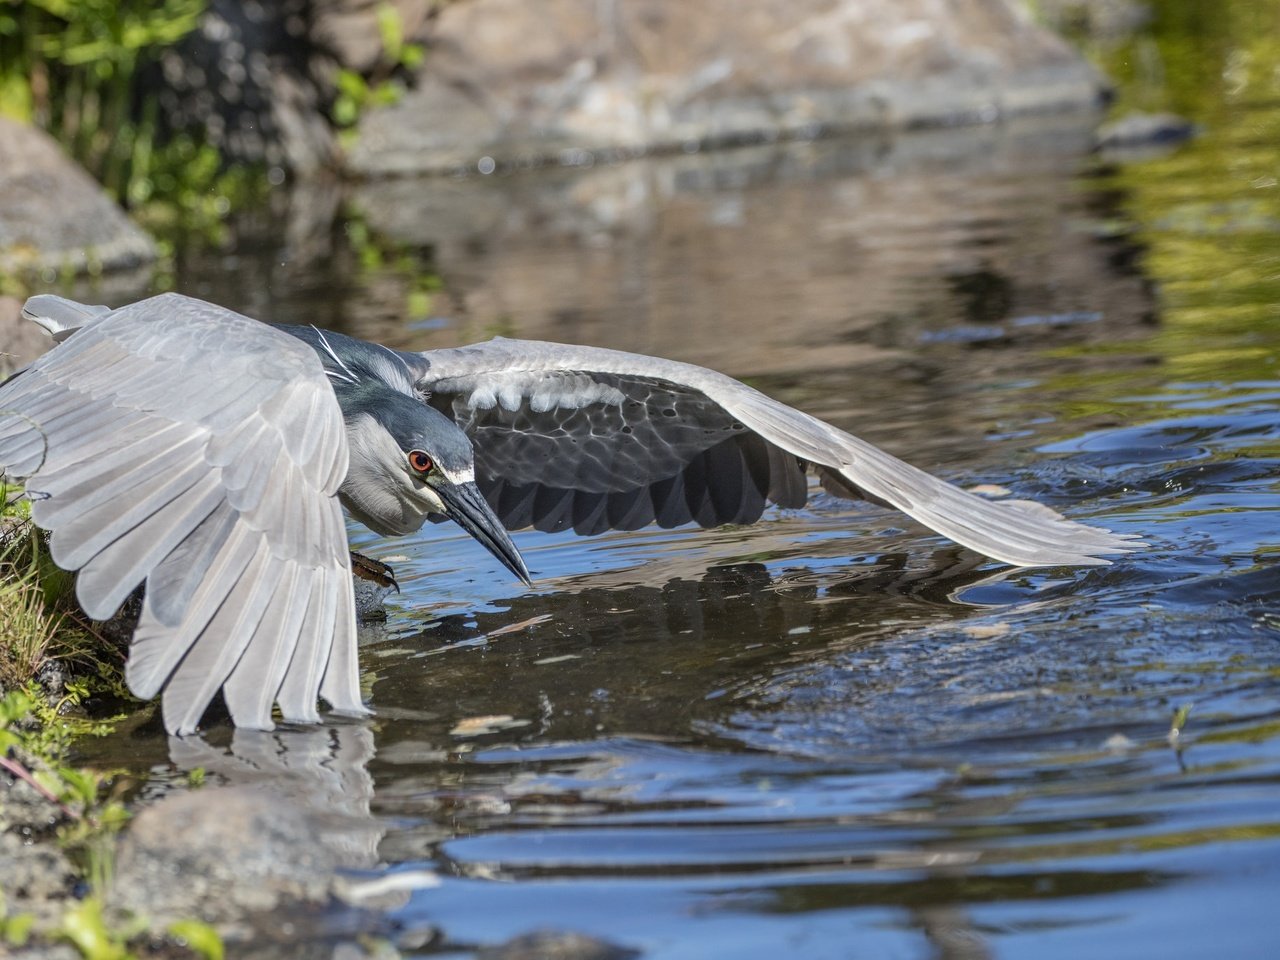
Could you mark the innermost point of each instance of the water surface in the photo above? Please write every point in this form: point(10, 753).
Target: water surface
point(833, 733)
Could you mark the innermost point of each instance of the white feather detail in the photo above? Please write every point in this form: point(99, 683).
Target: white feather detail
point(545, 390)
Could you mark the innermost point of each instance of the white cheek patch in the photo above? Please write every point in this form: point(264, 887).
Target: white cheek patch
point(458, 477)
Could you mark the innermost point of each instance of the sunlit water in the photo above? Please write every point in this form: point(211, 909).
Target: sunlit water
point(832, 734)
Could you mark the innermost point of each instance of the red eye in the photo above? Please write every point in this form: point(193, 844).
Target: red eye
point(420, 462)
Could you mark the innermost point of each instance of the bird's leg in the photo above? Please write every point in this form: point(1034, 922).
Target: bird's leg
point(366, 568)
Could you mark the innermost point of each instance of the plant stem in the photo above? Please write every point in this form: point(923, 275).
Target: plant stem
point(21, 772)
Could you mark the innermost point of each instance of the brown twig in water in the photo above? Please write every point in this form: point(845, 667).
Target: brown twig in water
point(23, 774)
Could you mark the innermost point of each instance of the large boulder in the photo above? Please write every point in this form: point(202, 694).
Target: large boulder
point(20, 340)
point(516, 81)
point(54, 216)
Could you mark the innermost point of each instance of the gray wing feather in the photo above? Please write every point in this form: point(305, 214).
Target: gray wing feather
point(557, 425)
point(180, 444)
point(340, 684)
point(59, 316)
point(262, 666)
point(297, 696)
point(229, 606)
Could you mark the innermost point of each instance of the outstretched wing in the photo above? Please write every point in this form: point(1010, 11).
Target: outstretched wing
point(598, 439)
point(179, 443)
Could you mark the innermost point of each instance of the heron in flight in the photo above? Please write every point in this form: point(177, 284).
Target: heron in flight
point(178, 444)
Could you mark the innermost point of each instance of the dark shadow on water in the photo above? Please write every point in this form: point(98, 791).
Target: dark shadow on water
point(654, 658)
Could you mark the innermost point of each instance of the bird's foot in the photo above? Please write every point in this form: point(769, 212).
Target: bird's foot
point(366, 568)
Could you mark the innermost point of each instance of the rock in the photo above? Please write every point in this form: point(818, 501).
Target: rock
point(54, 216)
point(20, 341)
point(36, 878)
point(351, 31)
point(549, 945)
point(37, 949)
point(221, 854)
point(318, 775)
point(516, 82)
point(262, 859)
point(1143, 130)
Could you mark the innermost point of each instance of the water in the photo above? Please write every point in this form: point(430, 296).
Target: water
point(833, 734)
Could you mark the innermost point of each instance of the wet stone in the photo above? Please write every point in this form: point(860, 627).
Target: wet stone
point(36, 878)
point(20, 341)
point(551, 945)
point(247, 860)
point(1144, 129)
point(53, 216)
point(507, 82)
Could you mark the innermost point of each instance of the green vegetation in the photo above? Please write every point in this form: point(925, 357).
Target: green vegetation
point(41, 624)
point(357, 92)
point(28, 627)
point(34, 745)
point(91, 816)
point(78, 69)
point(1207, 214)
point(40, 628)
point(85, 927)
point(393, 265)
point(71, 67)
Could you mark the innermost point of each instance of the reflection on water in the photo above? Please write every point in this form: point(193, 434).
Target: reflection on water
point(833, 733)
point(322, 771)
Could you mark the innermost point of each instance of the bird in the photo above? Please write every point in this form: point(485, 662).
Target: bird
point(207, 456)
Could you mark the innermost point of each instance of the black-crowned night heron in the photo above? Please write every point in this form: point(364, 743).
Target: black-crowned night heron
point(175, 442)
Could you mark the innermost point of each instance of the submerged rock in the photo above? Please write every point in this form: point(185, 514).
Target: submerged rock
point(253, 862)
point(36, 878)
point(219, 854)
point(35, 875)
point(1140, 130)
point(506, 81)
point(54, 216)
point(550, 945)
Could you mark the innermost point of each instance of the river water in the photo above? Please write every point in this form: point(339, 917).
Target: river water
point(834, 734)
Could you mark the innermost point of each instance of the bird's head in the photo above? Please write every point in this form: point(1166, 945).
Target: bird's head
point(409, 463)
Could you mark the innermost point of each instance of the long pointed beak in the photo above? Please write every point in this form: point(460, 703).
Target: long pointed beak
point(468, 507)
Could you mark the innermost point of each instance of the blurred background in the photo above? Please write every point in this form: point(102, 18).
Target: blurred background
point(1033, 245)
point(424, 171)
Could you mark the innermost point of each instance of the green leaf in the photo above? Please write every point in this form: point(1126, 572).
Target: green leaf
point(345, 111)
point(353, 85)
point(17, 929)
point(84, 926)
point(15, 706)
point(419, 304)
point(83, 784)
point(386, 94)
point(412, 56)
point(391, 29)
point(200, 937)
